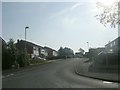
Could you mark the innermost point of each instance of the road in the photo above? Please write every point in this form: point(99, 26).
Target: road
point(58, 74)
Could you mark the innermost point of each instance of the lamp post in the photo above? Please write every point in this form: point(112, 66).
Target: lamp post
point(25, 47)
point(25, 38)
point(88, 46)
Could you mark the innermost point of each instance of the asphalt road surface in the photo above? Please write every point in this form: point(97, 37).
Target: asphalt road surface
point(58, 74)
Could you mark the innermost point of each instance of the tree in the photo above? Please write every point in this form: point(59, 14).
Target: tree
point(61, 52)
point(12, 50)
point(11, 55)
point(65, 52)
point(22, 59)
point(11, 47)
point(109, 14)
point(8, 55)
point(68, 52)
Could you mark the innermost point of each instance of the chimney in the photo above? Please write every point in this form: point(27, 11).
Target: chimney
point(18, 41)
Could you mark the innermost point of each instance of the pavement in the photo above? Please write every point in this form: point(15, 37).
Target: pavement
point(82, 68)
point(58, 74)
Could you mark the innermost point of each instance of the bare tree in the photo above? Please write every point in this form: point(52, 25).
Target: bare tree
point(109, 14)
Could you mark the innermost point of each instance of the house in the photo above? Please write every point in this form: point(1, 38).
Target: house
point(81, 50)
point(50, 52)
point(107, 58)
point(113, 51)
point(32, 49)
point(96, 51)
point(78, 54)
point(55, 53)
point(113, 46)
point(43, 53)
point(86, 54)
point(35, 50)
point(3, 44)
point(93, 52)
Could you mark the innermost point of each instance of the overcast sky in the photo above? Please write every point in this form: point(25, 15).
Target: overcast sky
point(56, 24)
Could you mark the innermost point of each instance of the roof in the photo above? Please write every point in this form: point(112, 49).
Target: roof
point(49, 48)
point(114, 40)
point(30, 43)
point(2, 41)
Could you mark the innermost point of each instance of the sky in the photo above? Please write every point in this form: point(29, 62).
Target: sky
point(56, 24)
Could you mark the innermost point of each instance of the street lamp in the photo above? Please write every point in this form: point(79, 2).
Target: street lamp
point(25, 46)
point(25, 38)
point(88, 46)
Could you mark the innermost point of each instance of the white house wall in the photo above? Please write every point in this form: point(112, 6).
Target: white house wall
point(43, 51)
point(36, 51)
point(55, 53)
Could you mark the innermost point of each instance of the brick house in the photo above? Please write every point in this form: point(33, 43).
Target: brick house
point(35, 50)
point(113, 46)
point(93, 52)
point(50, 52)
point(32, 49)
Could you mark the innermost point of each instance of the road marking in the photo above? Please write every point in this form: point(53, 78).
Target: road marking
point(106, 82)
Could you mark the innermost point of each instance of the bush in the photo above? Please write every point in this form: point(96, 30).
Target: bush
point(36, 61)
point(6, 61)
point(54, 57)
point(22, 59)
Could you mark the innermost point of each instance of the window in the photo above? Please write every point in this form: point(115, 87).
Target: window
point(34, 48)
point(111, 45)
point(114, 42)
